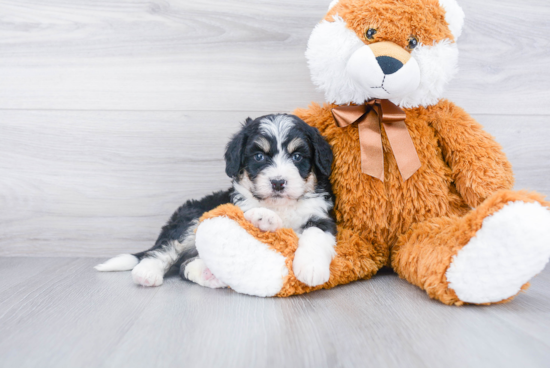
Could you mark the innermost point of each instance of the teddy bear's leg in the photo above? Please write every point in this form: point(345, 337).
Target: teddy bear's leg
point(239, 259)
point(259, 263)
point(487, 256)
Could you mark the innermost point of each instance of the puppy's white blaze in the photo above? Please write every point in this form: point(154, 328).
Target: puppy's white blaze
point(281, 168)
point(123, 262)
point(278, 127)
point(240, 260)
point(313, 257)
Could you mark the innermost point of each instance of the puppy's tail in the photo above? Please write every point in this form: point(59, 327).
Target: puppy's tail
point(123, 262)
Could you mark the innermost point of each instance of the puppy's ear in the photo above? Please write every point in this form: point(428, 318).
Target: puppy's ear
point(322, 152)
point(234, 152)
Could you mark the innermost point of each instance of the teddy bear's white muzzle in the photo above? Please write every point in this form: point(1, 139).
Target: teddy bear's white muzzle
point(383, 76)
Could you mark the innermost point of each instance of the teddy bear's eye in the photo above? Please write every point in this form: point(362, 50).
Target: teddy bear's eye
point(413, 42)
point(369, 34)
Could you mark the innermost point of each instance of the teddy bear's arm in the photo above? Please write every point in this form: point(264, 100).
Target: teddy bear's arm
point(479, 166)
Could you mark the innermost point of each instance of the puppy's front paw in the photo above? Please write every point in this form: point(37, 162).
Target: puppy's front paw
point(149, 272)
point(264, 219)
point(312, 271)
point(313, 257)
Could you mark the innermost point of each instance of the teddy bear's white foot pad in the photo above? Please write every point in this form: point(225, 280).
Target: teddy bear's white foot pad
point(238, 259)
point(512, 246)
point(196, 271)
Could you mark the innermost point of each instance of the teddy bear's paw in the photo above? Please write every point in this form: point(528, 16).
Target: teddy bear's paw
point(264, 219)
point(313, 257)
point(149, 272)
point(195, 270)
point(512, 246)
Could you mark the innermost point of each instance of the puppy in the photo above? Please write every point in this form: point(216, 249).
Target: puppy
point(280, 168)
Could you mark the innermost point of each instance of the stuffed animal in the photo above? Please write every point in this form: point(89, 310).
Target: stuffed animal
point(420, 187)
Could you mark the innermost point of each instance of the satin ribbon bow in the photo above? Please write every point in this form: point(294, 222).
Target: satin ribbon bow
point(369, 117)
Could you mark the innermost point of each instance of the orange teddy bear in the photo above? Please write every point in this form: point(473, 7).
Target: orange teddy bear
point(420, 186)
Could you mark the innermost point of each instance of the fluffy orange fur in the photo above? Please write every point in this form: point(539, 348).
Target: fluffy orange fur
point(414, 226)
point(394, 20)
point(355, 260)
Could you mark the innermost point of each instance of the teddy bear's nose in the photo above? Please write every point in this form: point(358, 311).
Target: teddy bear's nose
point(388, 64)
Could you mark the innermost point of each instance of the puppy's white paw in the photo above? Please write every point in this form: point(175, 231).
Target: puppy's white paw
point(149, 272)
point(311, 271)
point(264, 219)
point(197, 272)
point(313, 257)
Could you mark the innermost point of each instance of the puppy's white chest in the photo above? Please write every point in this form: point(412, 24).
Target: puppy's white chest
point(295, 215)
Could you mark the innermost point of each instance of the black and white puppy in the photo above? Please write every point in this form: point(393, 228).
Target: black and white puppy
point(280, 168)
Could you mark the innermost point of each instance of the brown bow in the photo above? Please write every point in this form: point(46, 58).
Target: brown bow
point(369, 116)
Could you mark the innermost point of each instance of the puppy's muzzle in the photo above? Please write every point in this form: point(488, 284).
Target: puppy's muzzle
point(389, 56)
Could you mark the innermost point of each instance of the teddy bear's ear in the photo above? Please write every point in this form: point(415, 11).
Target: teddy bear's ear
point(454, 16)
point(332, 4)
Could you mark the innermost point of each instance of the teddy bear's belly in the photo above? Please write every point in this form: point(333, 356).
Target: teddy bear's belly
point(381, 211)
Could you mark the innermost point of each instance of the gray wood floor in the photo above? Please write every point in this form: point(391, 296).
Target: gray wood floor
point(59, 312)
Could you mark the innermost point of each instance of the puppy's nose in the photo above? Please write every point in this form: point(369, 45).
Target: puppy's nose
point(278, 184)
point(388, 64)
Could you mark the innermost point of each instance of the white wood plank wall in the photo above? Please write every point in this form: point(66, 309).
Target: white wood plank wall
point(113, 112)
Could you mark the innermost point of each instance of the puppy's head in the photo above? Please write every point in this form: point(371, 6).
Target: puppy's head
point(278, 158)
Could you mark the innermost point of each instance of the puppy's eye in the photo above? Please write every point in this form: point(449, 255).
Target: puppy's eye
point(259, 157)
point(297, 157)
point(413, 42)
point(369, 34)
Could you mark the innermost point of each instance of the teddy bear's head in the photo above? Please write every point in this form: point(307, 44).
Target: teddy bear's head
point(401, 50)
